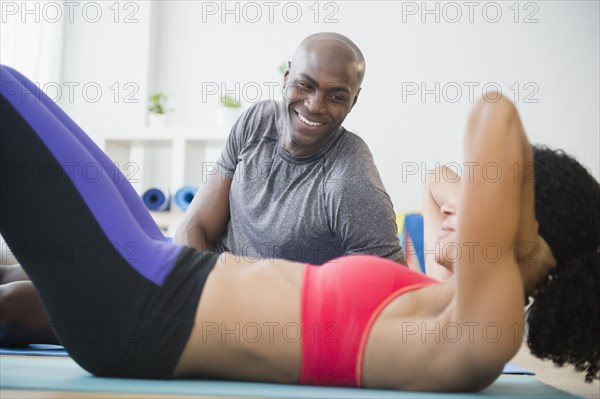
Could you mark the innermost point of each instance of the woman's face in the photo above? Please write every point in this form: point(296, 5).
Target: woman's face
point(447, 251)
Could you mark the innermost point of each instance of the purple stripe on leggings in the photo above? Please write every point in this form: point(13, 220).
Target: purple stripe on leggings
point(153, 259)
point(137, 208)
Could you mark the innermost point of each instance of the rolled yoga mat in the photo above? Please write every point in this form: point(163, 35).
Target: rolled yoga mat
point(156, 200)
point(184, 196)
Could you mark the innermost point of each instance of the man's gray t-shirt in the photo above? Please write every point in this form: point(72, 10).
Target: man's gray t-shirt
point(306, 209)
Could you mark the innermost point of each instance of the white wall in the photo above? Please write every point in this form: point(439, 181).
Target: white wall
point(554, 61)
point(183, 47)
point(106, 53)
point(31, 38)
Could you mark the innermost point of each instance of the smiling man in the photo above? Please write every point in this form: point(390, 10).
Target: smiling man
point(292, 182)
point(322, 86)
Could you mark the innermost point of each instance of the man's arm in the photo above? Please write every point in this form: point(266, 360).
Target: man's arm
point(208, 215)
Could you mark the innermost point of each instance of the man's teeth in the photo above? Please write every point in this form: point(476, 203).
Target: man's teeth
point(310, 123)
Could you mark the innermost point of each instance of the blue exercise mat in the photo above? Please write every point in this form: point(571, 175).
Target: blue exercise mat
point(184, 196)
point(62, 374)
point(413, 224)
point(58, 350)
point(511, 368)
point(36, 350)
point(156, 200)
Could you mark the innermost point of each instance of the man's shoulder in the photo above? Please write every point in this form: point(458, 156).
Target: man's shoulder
point(352, 141)
point(264, 109)
point(350, 150)
point(259, 120)
point(350, 163)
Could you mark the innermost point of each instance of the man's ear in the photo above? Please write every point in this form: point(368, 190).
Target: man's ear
point(355, 98)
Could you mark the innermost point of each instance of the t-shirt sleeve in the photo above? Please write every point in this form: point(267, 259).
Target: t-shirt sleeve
point(360, 211)
point(238, 136)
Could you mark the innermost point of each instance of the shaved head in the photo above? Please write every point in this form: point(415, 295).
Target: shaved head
point(338, 47)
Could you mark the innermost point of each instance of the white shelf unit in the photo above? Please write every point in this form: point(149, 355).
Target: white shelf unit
point(166, 158)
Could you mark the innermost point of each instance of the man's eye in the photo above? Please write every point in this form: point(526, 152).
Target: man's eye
point(337, 98)
point(304, 85)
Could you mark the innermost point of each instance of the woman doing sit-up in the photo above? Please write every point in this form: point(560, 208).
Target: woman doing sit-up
point(124, 302)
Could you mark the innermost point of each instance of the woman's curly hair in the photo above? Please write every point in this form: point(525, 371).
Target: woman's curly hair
point(564, 319)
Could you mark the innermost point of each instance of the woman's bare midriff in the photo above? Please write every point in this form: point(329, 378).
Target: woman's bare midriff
point(247, 324)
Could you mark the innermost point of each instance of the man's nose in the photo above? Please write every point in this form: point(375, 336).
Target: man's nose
point(314, 102)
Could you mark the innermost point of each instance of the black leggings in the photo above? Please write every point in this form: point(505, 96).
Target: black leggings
point(120, 298)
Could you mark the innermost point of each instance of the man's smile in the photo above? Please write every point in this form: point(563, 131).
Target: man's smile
point(307, 121)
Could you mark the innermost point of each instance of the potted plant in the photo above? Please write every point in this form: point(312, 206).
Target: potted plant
point(157, 110)
point(228, 112)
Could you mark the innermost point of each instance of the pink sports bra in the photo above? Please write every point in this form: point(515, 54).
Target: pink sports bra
point(341, 300)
